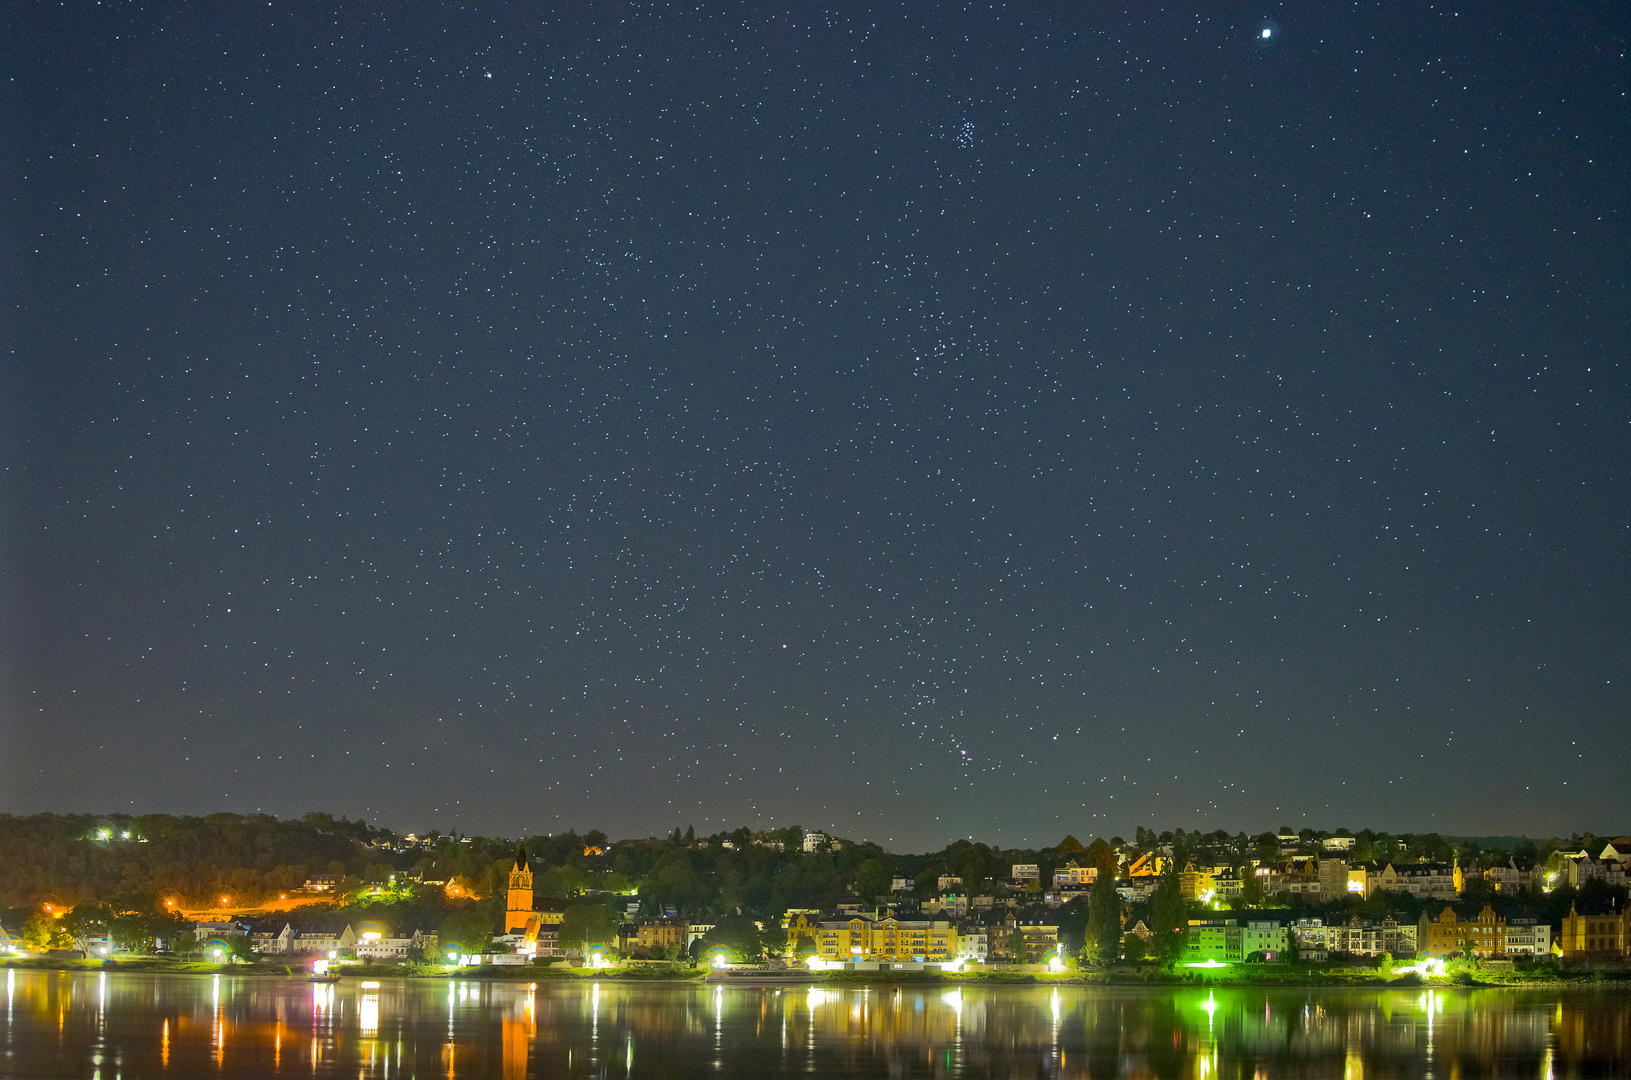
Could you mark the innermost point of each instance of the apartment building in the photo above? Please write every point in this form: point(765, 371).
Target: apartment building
point(1428, 880)
point(886, 939)
point(1232, 941)
point(1448, 933)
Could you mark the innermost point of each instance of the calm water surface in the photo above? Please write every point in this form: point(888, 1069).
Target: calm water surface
point(59, 1024)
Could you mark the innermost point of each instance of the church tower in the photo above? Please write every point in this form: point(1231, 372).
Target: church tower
point(519, 910)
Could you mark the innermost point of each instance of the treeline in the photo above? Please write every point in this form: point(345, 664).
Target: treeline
point(135, 862)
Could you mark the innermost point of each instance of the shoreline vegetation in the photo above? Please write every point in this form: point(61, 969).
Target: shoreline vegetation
point(1244, 976)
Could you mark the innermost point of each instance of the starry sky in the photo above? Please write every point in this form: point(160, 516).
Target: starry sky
point(917, 422)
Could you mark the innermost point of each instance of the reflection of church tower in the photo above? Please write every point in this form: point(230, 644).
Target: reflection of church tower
point(519, 911)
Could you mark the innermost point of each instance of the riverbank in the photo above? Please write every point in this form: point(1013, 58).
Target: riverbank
point(1254, 975)
point(153, 965)
point(1240, 976)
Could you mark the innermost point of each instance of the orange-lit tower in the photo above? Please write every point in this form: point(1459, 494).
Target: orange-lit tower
point(519, 910)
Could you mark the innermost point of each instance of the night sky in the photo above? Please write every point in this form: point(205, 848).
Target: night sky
point(916, 423)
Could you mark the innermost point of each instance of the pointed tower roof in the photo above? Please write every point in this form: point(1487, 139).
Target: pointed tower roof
point(521, 857)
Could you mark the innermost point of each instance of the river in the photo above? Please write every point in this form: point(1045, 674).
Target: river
point(106, 1025)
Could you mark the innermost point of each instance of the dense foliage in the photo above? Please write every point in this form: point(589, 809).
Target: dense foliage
point(136, 861)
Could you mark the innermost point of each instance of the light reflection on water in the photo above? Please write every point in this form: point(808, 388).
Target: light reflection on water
point(108, 1025)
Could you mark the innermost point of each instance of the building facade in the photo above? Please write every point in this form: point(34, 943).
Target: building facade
point(660, 934)
point(518, 908)
point(1430, 881)
point(1361, 938)
point(1528, 937)
point(1232, 941)
point(1075, 876)
point(1448, 934)
point(974, 946)
point(1595, 937)
point(887, 940)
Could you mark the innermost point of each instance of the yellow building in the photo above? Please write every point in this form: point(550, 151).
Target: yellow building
point(1595, 937)
point(1148, 864)
point(518, 911)
point(1196, 884)
point(661, 934)
point(801, 923)
point(1483, 936)
point(1040, 940)
point(887, 940)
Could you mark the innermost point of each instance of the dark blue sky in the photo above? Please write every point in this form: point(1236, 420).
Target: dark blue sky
point(915, 422)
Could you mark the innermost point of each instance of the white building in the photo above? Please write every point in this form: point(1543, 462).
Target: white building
point(321, 943)
point(1427, 880)
point(375, 945)
point(1026, 872)
point(1527, 937)
point(1074, 876)
point(203, 931)
point(281, 942)
point(814, 840)
point(949, 882)
point(973, 945)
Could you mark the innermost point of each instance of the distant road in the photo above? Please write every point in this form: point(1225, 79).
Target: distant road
point(282, 903)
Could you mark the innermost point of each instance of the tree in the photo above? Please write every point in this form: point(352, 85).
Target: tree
point(741, 936)
point(84, 924)
point(1251, 886)
point(871, 879)
point(1073, 920)
point(1133, 947)
point(131, 933)
point(469, 929)
point(1018, 947)
point(1069, 846)
point(184, 943)
point(587, 924)
point(1169, 921)
point(1104, 920)
point(42, 933)
point(242, 950)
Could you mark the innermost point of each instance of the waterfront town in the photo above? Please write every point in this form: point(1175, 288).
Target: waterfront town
point(790, 899)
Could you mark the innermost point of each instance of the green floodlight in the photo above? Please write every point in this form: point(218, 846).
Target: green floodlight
point(1210, 965)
